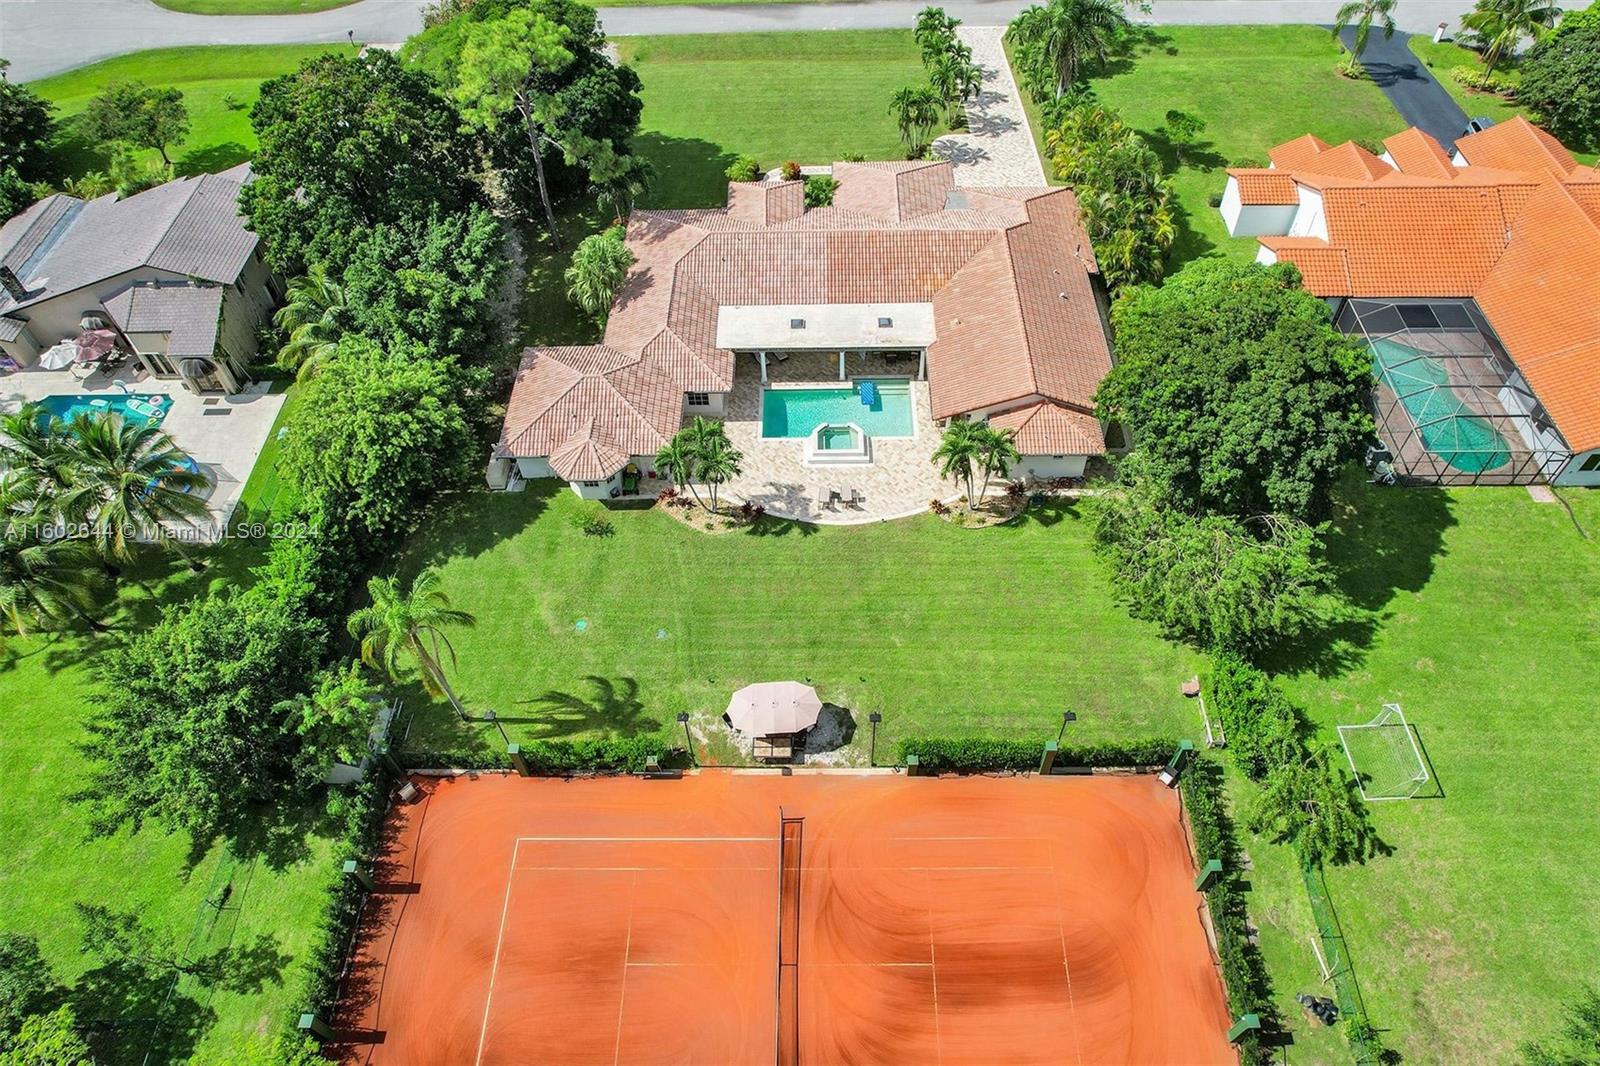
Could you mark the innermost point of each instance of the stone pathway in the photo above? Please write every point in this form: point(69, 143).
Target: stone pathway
point(998, 147)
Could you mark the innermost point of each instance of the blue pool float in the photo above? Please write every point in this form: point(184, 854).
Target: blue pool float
point(869, 393)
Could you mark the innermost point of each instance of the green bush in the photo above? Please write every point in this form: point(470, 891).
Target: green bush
point(745, 168)
point(558, 757)
point(1244, 974)
point(1475, 79)
point(820, 189)
point(979, 754)
point(790, 171)
point(1263, 728)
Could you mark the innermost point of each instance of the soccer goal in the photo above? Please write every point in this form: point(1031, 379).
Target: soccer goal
point(1385, 756)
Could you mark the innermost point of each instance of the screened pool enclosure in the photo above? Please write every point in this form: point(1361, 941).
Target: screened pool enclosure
point(1451, 407)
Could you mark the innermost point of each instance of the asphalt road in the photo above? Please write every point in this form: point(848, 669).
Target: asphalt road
point(1411, 87)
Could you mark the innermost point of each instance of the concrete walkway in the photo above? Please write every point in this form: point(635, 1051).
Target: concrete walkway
point(1410, 86)
point(998, 147)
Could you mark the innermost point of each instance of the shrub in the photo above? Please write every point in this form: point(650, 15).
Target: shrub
point(979, 754)
point(938, 507)
point(745, 168)
point(597, 525)
point(1248, 162)
point(1215, 199)
point(1479, 81)
point(1263, 728)
point(790, 171)
point(820, 189)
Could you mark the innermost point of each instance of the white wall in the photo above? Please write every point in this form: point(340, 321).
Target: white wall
point(1265, 256)
point(23, 350)
point(1575, 475)
point(534, 468)
point(1309, 220)
point(716, 406)
point(1047, 466)
point(1254, 220)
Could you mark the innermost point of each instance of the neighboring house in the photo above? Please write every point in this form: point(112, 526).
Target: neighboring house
point(1472, 277)
point(172, 269)
point(991, 295)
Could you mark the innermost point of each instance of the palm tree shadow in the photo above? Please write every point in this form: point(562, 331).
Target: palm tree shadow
point(614, 709)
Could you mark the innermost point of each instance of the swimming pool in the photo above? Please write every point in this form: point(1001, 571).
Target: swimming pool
point(1449, 428)
point(144, 408)
point(793, 413)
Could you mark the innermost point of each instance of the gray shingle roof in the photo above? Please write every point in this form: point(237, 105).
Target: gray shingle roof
point(188, 313)
point(189, 226)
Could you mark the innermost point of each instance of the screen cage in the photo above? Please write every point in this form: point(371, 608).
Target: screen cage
point(1451, 406)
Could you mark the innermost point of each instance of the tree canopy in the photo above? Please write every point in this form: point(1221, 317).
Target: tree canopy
point(1238, 391)
point(348, 143)
point(26, 128)
point(1561, 79)
point(599, 266)
point(1058, 42)
point(144, 116)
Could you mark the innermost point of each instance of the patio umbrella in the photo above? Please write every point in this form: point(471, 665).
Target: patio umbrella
point(774, 707)
point(95, 345)
point(59, 357)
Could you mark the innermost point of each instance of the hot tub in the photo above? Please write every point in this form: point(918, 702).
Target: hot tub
point(835, 444)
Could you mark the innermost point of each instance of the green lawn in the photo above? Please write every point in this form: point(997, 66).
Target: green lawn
point(219, 85)
point(1487, 916)
point(1255, 87)
point(809, 97)
point(939, 628)
point(251, 7)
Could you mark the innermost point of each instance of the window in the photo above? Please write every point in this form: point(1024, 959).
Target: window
point(1590, 464)
point(699, 399)
point(591, 484)
point(885, 323)
point(797, 323)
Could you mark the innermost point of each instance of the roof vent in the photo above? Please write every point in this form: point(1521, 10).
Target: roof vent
point(885, 323)
point(797, 323)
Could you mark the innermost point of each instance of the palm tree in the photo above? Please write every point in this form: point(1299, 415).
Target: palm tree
point(996, 454)
point(1362, 14)
point(410, 622)
point(34, 452)
point(599, 267)
point(957, 452)
point(955, 79)
point(313, 319)
point(130, 482)
point(916, 111)
point(933, 32)
point(43, 578)
point(1062, 37)
point(719, 461)
point(1500, 26)
point(677, 460)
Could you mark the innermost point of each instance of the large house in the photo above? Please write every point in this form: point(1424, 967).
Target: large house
point(1471, 275)
point(990, 295)
point(172, 270)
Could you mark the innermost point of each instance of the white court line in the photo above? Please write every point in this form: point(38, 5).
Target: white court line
point(622, 996)
point(649, 840)
point(505, 908)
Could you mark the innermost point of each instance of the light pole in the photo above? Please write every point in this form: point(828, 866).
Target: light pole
point(683, 720)
point(1066, 716)
point(872, 757)
point(490, 716)
point(352, 35)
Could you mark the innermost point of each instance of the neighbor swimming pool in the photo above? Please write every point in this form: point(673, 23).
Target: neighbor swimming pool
point(144, 408)
point(794, 413)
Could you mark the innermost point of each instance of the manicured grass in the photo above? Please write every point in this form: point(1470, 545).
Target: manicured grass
point(1255, 87)
point(809, 97)
point(942, 629)
point(1487, 916)
point(219, 85)
point(251, 7)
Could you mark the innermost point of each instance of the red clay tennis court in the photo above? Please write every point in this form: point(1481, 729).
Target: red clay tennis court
point(926, 920)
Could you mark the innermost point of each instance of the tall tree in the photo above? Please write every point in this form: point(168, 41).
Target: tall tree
point(347, 143)
point(26, 984)
point(915, 110)
point(934, 32)
point(1560, 79)
point(957, 454)
point(145, 116)
point(27, 126)
point(410, 622)
point(676, 459)
point(37, 458)
point(130, 482)
point(44, 579)
point(996, 454)
point(1057, 42)
point(315, 316)
point(599, 267)
point(1363, 14)
point(1242, 396)
point(1502, 25)
point(719, 462)
point(501, 61)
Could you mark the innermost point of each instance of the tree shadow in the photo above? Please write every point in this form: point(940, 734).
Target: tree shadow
point(211, 158)
point(614, 708)
point(128, 1009)
point(689, 172)
point(1047, 512)
point(478, 522)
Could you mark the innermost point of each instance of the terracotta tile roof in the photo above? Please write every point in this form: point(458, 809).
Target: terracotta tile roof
point(1541, 300)
point(1046, 428)
point(1414, 152)
point(1008, 271)
point(1325, 270)
point(1408, 241)
point(766, 202)
point(1259, 188)
point(1291, 154)
point(1517, 144)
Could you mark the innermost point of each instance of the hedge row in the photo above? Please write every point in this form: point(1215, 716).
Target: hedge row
point(1243, 970)
point(360, 811)
point(611, 755)
point(979, 754)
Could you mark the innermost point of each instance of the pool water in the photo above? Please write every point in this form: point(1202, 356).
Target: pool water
point(147, 409)
point(1449, 428)
point(792, 413)
point(835, 437)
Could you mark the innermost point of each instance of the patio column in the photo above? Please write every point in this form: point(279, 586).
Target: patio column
point(841, 366)
point(922, 365)
point(762, 358)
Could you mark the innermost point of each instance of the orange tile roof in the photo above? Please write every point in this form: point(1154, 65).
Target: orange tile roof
point(1291, 154)
point(1517, 144)
point(1046, 428)
point(1324, 270)
point(1407, 241)
point(1260, 188)
point(1414, 152)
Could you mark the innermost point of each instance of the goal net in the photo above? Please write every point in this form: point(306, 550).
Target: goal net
point(1385, 756)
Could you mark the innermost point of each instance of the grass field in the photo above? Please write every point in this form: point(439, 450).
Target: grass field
point(939, 628)
point(810, 97)
point(251, 7)
point(219, 85)
point(1255, 87)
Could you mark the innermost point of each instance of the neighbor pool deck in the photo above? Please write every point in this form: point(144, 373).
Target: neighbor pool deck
point(900, 480)
point(223, 434)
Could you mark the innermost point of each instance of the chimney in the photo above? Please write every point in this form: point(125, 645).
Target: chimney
point(13, 284)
